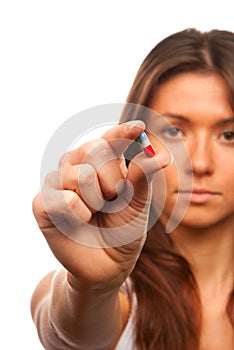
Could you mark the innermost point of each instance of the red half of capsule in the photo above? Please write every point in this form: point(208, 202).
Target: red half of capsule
point(149, 151)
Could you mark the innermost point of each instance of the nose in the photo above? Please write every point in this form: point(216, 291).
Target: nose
point(201, 156)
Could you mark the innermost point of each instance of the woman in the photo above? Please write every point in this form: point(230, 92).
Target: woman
point(167, 291)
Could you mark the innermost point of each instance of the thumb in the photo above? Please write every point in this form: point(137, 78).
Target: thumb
point(140, 173)
point(127, 215)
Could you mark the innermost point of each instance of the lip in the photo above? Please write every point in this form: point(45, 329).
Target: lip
point(199, 195)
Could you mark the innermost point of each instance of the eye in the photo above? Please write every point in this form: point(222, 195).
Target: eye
point(172, 132)
point(228, 136)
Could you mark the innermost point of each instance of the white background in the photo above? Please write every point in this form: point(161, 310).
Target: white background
point(58, 58)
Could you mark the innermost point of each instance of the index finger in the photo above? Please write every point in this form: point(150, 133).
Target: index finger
point(125, 133)
point(104, 154)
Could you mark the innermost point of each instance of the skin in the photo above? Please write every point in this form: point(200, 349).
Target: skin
point(205, 234)
point(91, 279)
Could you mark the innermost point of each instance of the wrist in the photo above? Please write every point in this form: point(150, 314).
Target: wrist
point(76, 308)
point(75, 285)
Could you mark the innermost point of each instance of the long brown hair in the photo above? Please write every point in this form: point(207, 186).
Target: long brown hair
point(169, 309)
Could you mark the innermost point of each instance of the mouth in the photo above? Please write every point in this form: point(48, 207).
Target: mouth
point(199, 195)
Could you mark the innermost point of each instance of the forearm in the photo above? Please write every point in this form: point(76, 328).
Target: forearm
point(78, 319)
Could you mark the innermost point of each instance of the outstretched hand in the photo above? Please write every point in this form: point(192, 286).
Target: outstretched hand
point(93, 211)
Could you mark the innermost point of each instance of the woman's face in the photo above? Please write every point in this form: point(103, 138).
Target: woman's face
point(200, 188)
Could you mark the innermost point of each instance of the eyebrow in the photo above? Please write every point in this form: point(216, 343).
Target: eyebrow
point(185, 119)
point(175, 116)
point(225, 121)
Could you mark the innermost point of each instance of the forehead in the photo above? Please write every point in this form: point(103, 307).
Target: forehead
point(193, 94)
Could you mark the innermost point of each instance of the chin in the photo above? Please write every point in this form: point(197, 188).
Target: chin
point(191, 220)
point(204, 221)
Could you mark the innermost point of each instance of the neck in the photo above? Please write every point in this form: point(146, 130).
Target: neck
point(210, 252)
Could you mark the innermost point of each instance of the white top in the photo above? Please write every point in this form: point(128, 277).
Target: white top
point(126, 341)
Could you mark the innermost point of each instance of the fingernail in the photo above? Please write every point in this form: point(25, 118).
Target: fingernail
point(136, 123)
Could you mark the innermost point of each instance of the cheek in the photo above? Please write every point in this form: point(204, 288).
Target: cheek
point(228, 186)
point(224, 174)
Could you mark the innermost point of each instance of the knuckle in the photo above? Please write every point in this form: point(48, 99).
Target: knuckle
point(36, 203)
point(63, 159)
point(103, 148)
point(86, 175)
point(70, 202)
point(98, 149)
point(61, 204)
point(73, 205)
point(52, 178)
point(90, 148)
